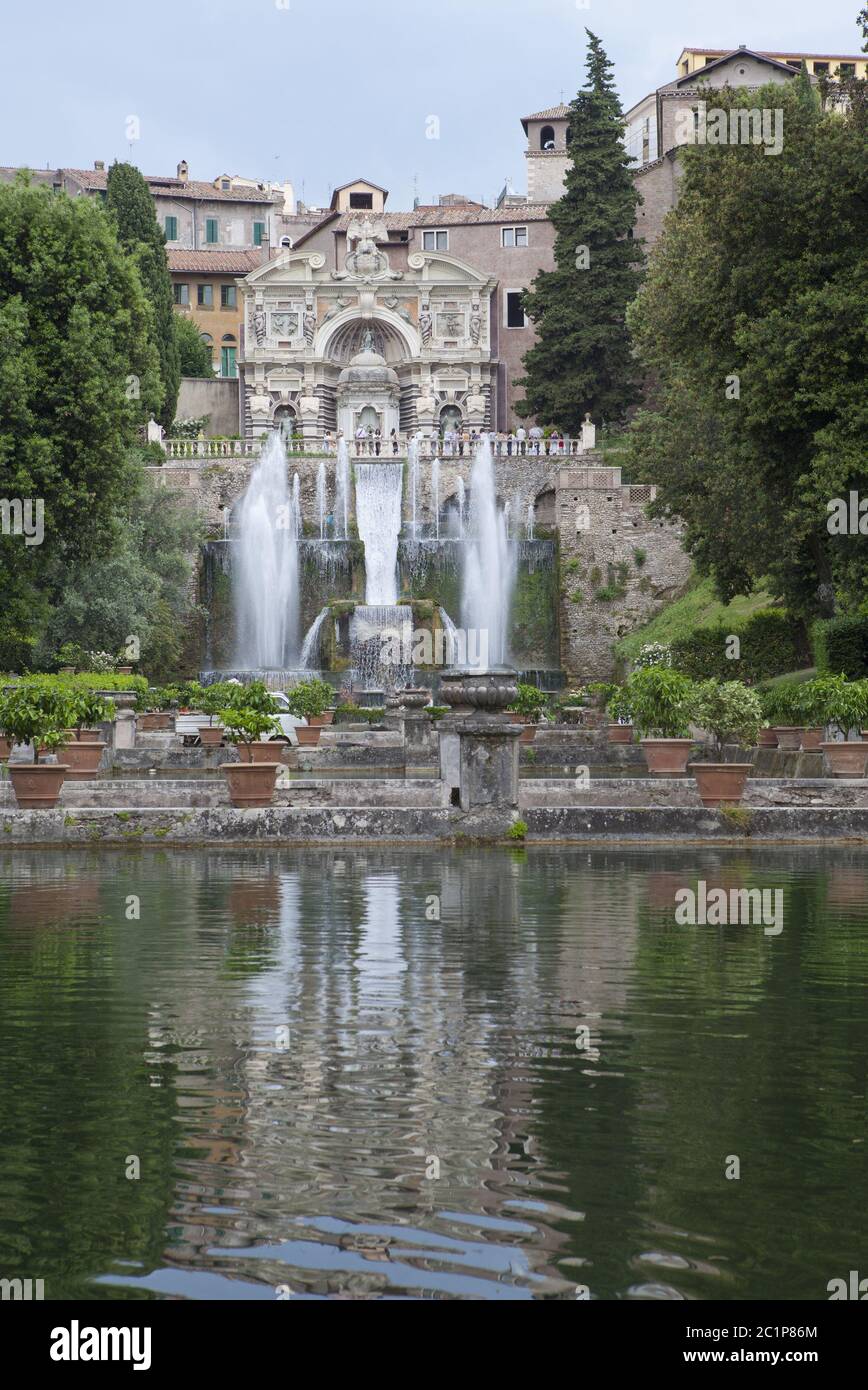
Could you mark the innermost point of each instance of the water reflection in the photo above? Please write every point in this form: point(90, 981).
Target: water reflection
point(429, 1074)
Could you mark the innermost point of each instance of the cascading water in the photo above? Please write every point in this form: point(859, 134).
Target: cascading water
point(462, 508)
point(489, 569)
point(531, 518)
point(378, 514)
point(266, 564)
point(321, 505)
point(342, 499)
point(413, 461)
point(435, 495)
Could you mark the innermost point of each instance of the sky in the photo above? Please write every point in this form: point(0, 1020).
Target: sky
point(420, 96)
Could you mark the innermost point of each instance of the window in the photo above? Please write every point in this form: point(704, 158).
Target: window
point(205, 296)
point(794, 63)
point(258, 233)
point(821, 67)
point(171, 229)
point(286, 242)
point(847, 70)
point(514, 313)
point(361, 200)
point(181, 293)
point(211, 231)
point(513, 236)
point(547, 137)
point(225, 185)
point(435, 241)
point(227, 362)
point(228, 296)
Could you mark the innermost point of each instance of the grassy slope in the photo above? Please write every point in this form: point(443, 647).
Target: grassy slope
point(697, 608)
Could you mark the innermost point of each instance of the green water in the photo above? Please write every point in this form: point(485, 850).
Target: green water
point(431, 1001)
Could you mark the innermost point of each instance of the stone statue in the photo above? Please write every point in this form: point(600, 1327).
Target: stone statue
point(368, 341)
point(394, 303)
point(337, 308)
point(475, 326)
point(310, 322)
point(259, 325)
point(426, 324)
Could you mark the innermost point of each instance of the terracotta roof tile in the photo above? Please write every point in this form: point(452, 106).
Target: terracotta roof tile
point(465, 216)
point(189, 188)
point(554, 113)
point(214, 262)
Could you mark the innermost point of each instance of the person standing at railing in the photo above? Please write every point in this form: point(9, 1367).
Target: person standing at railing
point(521, 439)
point(394, 441)
point(377, 441)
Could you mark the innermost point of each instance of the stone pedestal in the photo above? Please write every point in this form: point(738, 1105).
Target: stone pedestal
point(125, 729)
point(478, 742)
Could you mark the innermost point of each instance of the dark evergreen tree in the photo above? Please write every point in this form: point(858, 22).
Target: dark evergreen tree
point(194, 356)
point(582, 360)
point(130, 203)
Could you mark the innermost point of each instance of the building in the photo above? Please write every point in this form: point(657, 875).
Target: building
point(400, 321)
point(205, 287)
point(655, 125)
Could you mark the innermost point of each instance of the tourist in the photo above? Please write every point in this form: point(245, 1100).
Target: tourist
point(465, 440)
point(378, 440)
point(536, 435)
point(510, 443)
point(521, 439)
point(327, 442)
point(554, 442)
point(394, 438)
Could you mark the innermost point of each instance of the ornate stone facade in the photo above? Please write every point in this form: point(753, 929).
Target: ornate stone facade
point(366, 344)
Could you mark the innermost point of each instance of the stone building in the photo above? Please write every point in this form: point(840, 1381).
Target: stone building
point(434, 292)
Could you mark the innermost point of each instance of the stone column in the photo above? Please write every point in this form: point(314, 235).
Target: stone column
point(479, 742)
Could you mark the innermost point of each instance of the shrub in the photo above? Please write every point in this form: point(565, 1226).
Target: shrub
point(728, 709)
point(661, 702)
point(37, 711)
point(309, 698)
point(783, 704)
point(837, 703)
point(653, 654)
point(771, 643)
point(518, 830)
point(530, 702)
point(840, 646)
point(244, 725)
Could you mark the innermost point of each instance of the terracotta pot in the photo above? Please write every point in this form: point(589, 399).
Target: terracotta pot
point(37, 785)
point(66, 671)
point(767, 739)
point(5, 746)
point(257, 752)
point(720, 784)
point(308, 735)
point(210, 735)
point(667, 757)
point(89, 735)
point(124, 670)
point(620, 733)
point(155, 719)
point(251, 784)
point(811, 740)
point(82, 759)
point(528, 733)
point(846, 759)
point(789, 736)
point(320, 720)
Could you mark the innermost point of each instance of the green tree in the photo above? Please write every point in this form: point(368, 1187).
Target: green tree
point(194, 356)
point(141, 588)
point(129, 202)
point(78, 372)
point(582, 359)
point(754, 320)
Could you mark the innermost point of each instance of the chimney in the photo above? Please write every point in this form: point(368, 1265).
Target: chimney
point(265, 247)
point(99, 165)
point(182, 171)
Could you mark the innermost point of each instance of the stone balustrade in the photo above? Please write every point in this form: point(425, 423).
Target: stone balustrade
point(191, 450)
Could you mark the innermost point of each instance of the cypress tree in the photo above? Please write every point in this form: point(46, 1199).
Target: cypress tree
point(130, 203)
point(582, 359)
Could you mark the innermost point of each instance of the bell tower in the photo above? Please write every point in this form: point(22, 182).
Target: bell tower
point(546, 154)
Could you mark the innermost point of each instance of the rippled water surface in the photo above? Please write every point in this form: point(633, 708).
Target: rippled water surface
point(357, 1074)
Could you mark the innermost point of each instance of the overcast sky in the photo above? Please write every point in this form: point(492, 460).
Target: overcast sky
point(323, 91)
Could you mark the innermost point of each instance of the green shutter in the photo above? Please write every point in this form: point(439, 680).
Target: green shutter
point(211, 230)
point(258, 231)
point(171, 229)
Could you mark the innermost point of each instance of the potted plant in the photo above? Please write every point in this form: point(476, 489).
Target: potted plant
point(256, 703)
point(69, 658)
point(526, 710)
point(307, 700)
point(726, 710)
point(36, 713)
point(251, 782)
point(84, 754)
point(811, 712)
point(840, 704)
point(620, 712)
point(782, 708)
point(661, 703)
point(212, 699)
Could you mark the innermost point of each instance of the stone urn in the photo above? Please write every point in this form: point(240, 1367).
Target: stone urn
point(250, 784)
point(413, 697)
point(37, 785)
point(479, 693)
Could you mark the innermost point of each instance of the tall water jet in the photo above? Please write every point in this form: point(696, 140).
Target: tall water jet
point(378, 513)
point(462, 508)
point(435, 495)
point(489, 569)
point(342, 499)
point(266, 591)
point(531, 518)
point(321, 498)
point(413, 460)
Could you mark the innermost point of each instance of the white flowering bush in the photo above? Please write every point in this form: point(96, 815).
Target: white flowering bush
point(653, 654)
point(102, 662)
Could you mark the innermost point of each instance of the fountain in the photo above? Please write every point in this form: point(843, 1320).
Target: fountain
point(342, 499)
point(462, 508)
point(265, 571)
point(378, 514)
point(435, 495)
point(321, 504)
point(413, 462)
point(489, 566)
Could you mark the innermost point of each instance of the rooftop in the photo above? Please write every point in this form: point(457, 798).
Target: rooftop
point(214, 262)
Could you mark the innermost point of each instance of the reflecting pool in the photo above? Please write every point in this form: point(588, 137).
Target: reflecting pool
point(431, 1074)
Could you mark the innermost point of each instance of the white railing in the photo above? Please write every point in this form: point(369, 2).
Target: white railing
point(192, 450)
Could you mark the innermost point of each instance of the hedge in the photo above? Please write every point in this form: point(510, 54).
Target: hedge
point(771, 643)
point(840, 647)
